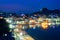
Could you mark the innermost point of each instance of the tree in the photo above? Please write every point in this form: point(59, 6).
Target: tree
point(4, 28)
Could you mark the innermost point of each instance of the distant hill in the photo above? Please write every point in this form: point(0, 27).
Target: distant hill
point(48, 12)
point(43, 11)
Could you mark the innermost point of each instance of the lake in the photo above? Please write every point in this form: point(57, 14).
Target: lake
point(45, 34)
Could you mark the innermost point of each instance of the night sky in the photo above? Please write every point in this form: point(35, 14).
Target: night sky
point(28, 5)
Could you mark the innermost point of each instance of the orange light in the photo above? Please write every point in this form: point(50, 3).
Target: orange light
point(20, 26)
point(44, 24)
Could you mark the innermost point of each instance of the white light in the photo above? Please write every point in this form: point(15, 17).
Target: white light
point(53, 26)
point(23, 27)
point(16, 30)
point(49, 23)
point(30, 26)
point(34, 27)
point(53, 23)
point(11, 26)
point(9, 21)
point(21, 33)
point(21, 38)
point(5, 34)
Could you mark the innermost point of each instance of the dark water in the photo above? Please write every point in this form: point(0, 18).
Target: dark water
point(48, 34)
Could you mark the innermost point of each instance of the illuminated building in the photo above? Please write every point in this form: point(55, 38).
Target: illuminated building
point(44, 24)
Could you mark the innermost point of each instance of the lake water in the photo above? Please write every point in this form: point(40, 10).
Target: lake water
point(42, 34)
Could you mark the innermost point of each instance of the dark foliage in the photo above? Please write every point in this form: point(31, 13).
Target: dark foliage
point(3, 27)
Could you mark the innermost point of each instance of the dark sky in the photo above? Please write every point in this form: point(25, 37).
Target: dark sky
point(28, 5)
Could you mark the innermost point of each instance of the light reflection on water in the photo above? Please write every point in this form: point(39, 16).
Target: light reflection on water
point(48, 34)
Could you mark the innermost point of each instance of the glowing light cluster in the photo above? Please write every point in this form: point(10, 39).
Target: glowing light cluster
point(44, 24)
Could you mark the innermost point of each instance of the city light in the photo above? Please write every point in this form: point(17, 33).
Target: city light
point(19, 24)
